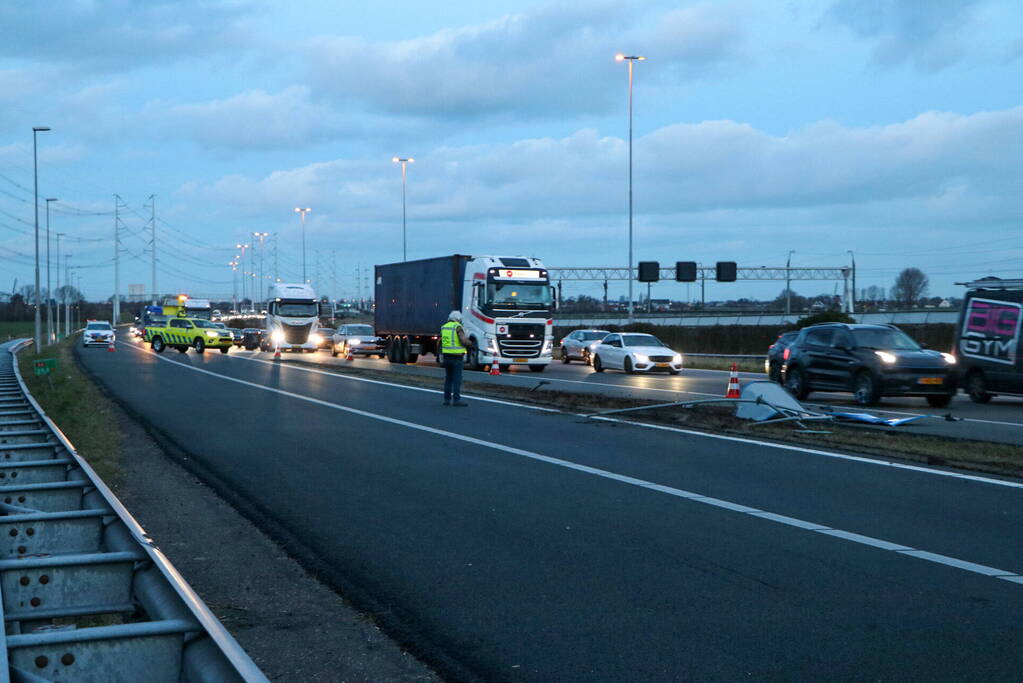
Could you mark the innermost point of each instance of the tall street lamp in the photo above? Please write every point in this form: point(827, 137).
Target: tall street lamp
point(404, 174)
point(35, 174)
point(788, 283)
point(49, 294)
point(240, 258)
point(303, 212)
point(58, 301)
point(852, 298)
point(234, 283)
point(630, 59)
point(261, 236)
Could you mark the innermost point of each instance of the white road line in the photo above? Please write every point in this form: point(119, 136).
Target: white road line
point(811, 527)
point(292, 366)
point(631, 387)
point(678, 430)
point(814, 451)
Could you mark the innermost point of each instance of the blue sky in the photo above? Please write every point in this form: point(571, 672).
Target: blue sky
point(892, 128)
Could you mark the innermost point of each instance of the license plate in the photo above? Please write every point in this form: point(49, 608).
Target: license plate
point(662, 365)
point(931, 380)
point(520, 360)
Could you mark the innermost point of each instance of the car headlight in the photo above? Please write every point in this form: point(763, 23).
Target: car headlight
point(316, 338)
point(547, 346)
point(277, 336)
point(677, 359)
point(641, 358)
point(355, 342)
point(886, 358)
point(949, 358)
point(211, 333)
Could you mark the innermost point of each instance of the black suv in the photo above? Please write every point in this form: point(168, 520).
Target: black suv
point(776, 355)
point(871, 361)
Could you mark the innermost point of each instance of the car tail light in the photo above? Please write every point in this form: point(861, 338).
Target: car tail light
point(785, 354)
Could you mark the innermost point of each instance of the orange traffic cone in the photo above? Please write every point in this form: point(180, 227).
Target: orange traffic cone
point(733, 383)
point(110, 346)
point(350, 356)
point(277, 353)
point(495, 368)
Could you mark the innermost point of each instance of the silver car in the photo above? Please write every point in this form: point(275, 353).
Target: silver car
point(357, 338)
point(579, 345)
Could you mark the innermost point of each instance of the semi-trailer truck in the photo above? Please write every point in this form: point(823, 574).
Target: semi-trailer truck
point(292, 315)
point(506, 303)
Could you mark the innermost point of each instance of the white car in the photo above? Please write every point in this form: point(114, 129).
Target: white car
point(634, 352)
point(98, 332)
point(580, 344)
point(357, 339)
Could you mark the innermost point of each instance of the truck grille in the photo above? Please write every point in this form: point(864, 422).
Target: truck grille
point(296, 334)
point(523, 340)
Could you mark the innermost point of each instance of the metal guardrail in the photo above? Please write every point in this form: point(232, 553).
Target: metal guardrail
point(85, 594)
point(767, 319)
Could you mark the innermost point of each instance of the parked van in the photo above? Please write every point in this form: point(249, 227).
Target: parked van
point(987, 344)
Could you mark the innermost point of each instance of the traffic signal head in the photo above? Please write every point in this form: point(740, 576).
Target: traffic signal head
point(649, 271)
point(726, 271)
point(685, 271)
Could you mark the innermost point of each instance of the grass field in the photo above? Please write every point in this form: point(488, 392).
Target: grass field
point(9, 330)
point(72, 401)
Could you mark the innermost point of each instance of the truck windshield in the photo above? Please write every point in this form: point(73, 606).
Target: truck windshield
point(297, 310)
point(510, 295)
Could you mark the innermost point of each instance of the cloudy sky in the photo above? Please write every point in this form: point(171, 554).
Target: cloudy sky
point(891, 128)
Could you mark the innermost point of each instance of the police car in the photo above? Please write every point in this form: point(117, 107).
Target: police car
point(98, 332)
point(182, 333)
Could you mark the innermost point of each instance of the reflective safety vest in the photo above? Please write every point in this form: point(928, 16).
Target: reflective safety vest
point(449, 342)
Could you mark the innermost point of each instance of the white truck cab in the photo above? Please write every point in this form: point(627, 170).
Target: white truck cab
point(292, 316)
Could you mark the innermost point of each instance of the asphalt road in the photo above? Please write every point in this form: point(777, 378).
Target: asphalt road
point(1000, 421)
point(523, 544)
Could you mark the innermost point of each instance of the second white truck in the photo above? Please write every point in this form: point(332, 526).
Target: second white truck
point(292, 317)
point(506, 303)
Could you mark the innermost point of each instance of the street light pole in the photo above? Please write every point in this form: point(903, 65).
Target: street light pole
point(49, 293)
point(303, 212)
point(630, 59)
point(67, 303)
point(234, 285)
point(59, 235)
point(404, 164)
point(261, 236)
point(38, 338)
point(788, 283)
point(240, 259)
point(852, 298)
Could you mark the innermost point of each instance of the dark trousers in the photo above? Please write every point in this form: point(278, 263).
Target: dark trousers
point(453, 364)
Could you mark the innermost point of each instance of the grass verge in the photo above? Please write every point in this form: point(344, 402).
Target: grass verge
point(78, 407)
point(980, 456)
point(15, 330)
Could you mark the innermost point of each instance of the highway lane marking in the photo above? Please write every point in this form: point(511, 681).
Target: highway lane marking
point(692, 496)
point(391, 384)
point(679, 430)
point(756, 377)
point(529, 378)
point(814, 451)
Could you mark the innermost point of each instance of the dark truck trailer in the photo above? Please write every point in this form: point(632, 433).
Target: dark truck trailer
point(988, 346)
point(413, 300)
